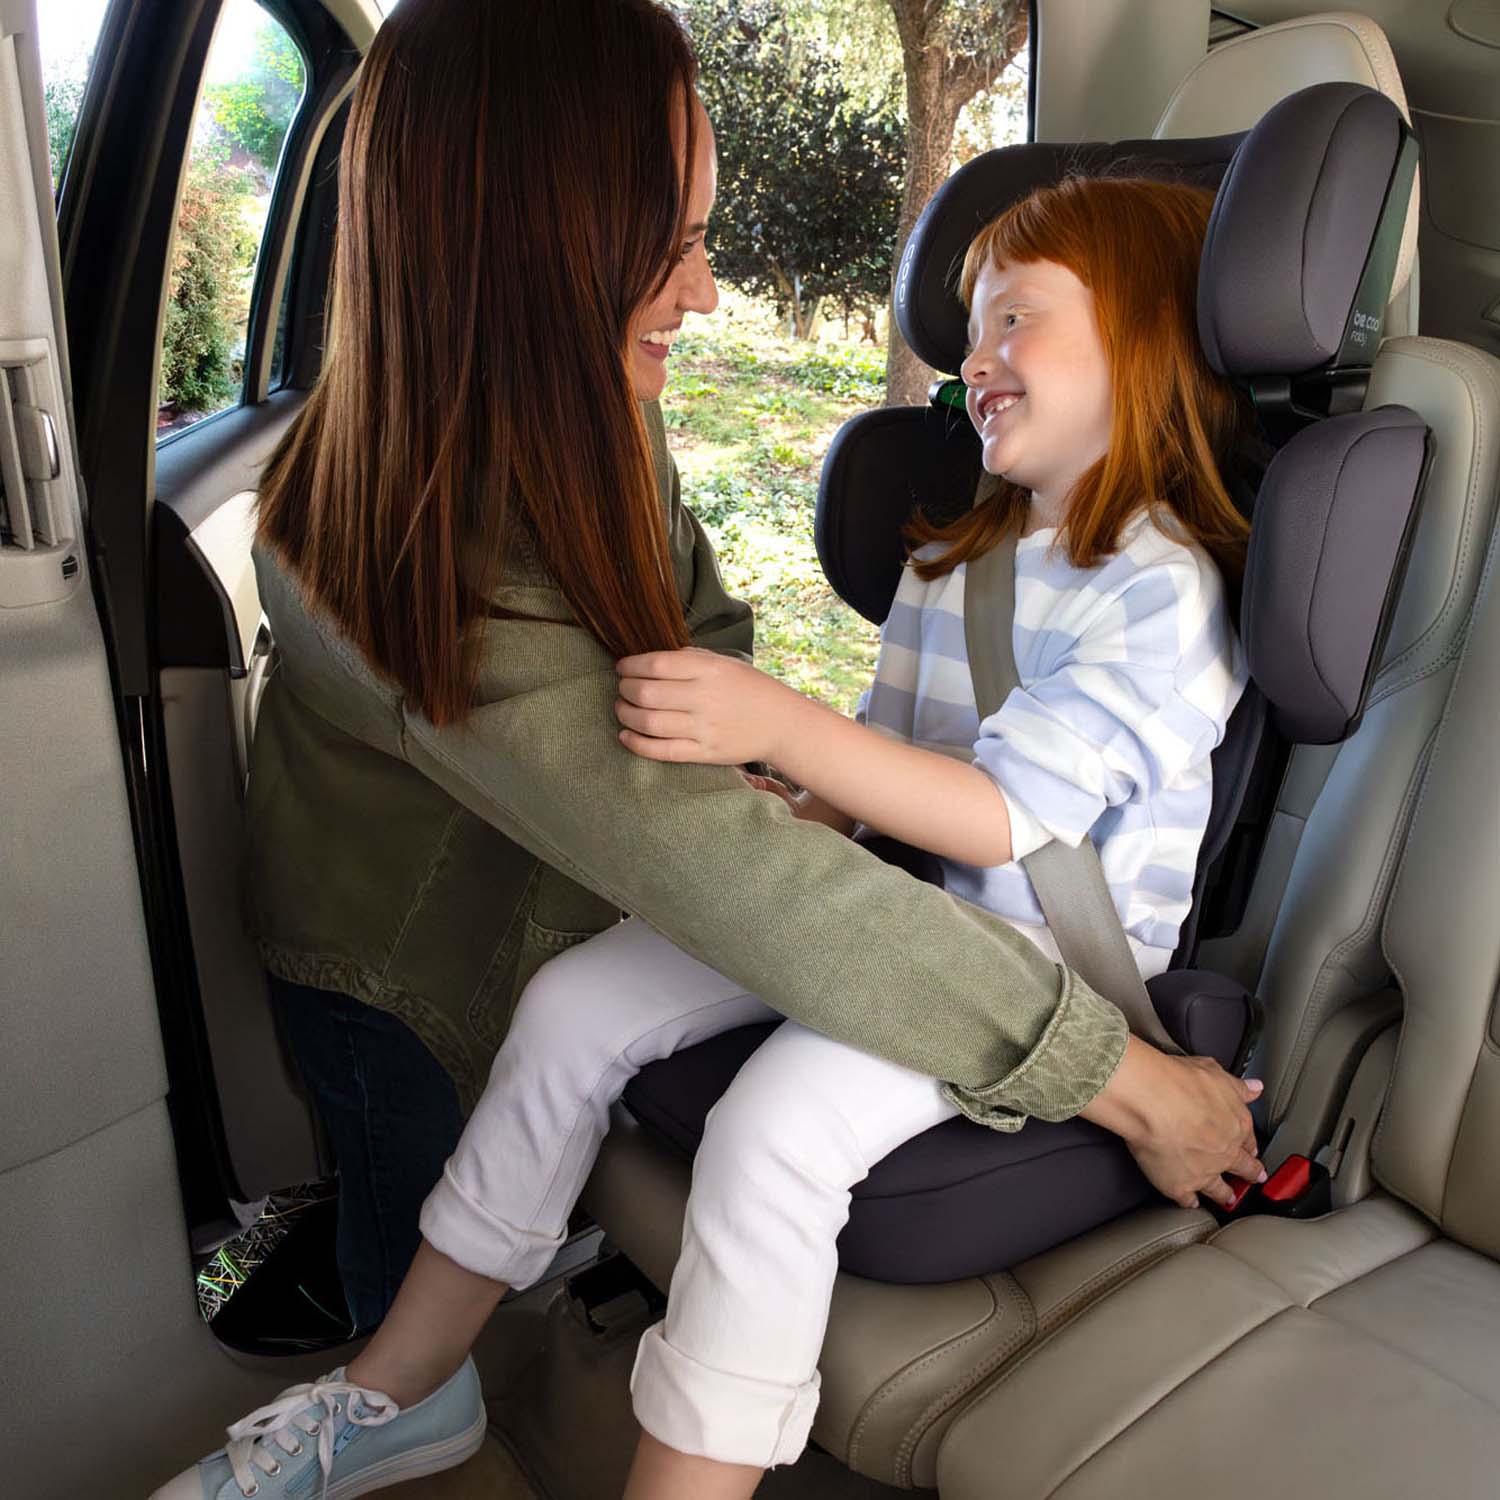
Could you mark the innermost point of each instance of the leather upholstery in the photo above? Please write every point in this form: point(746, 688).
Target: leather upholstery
point(898, 1361)
point(1241, 79)
point(1355, 1354)
point(1326, 872)
point(1361, 1345)
point(1274, 1349)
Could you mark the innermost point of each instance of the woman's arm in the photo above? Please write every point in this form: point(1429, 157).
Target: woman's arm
point(694, 706)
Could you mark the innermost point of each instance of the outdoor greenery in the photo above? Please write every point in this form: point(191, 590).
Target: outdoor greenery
point(787, 228)
point(254, 112)
point(750, 416)
point(211, 256)
point(242, 125)
point(62, 97)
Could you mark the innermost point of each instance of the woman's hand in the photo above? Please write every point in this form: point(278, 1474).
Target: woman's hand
point(1185, 1121)
point(695, 705)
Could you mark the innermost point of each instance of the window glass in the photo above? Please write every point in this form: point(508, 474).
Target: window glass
point(252, 88)
point(813, 139)
point(68, 31)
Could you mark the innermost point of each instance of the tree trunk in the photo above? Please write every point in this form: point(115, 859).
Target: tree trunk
point(938, 85)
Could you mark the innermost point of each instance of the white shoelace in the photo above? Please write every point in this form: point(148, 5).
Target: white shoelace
point(251, 1438)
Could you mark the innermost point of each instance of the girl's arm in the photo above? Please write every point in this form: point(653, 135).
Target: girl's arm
point(695, 706)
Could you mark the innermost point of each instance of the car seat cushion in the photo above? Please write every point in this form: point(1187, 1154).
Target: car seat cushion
point(959, 1200)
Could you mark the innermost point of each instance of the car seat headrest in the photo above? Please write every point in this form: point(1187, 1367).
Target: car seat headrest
point(926, 302)
point(1332, 529)
point(1238, 80)
point(1319, 193)
point(1303, 242)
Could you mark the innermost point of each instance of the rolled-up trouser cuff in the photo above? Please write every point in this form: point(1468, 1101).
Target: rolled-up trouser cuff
point(733, 1419)
point(465, 1232)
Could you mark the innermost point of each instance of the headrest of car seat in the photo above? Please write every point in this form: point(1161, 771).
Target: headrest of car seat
point(1332, 529)
point(927, 307)
point(1319, 192)
point(1305, 233)
point(1233, 85)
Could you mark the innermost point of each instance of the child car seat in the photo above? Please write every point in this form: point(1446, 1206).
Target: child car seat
point(1295, 274)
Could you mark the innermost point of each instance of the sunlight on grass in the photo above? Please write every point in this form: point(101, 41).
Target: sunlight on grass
point(750, 416)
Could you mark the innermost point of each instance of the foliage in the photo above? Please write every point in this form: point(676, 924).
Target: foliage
point(254, 112)
point(212, 253)
point(788, 228)
point(62, 97)
point(751, 417)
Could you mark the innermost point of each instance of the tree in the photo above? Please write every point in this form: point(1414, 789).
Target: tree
point(210, 256)
point(62, 97)
point(942, 54)
point(951, 50)
point(255, 111)
point(809, 179)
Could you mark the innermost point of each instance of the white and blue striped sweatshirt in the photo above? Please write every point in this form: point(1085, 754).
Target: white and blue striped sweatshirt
point(1129, 672)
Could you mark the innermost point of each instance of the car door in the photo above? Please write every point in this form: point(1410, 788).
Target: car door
point(113, 1143)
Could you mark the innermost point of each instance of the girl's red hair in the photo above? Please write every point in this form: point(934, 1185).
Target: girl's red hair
point(1135, 244)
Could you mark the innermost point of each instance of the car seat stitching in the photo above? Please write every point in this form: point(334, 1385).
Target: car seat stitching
point(944, 1400)
point(1407, 1354)
point(890, 1387)
point(1188, 1234)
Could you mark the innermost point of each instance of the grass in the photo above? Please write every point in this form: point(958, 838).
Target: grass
point(749, 416)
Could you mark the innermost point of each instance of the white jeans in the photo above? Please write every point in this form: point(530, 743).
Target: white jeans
point(731, 1373)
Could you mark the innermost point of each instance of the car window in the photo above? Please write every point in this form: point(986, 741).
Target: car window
point(68, 33)
point(252, 88)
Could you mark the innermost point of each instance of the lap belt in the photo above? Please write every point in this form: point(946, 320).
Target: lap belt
point(1069, 883)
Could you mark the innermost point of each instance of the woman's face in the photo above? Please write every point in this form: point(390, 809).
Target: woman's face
point(690, 287)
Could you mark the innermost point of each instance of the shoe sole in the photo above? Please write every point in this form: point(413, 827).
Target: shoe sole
point(400, 1467)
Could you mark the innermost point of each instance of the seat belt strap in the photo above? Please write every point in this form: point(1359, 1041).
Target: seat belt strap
point(1069, 883)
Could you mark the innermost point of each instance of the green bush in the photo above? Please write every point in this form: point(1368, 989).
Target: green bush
point(212, 253)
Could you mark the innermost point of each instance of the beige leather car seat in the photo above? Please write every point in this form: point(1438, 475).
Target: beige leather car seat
point(1349, 1357)
point(899, 1361)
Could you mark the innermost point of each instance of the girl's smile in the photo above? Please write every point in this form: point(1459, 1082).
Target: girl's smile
point(1038, 377)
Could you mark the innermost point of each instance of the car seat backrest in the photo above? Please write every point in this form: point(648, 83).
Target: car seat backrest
point(1439, 1143)
point(1239, 80)
point(1309, 937)
point(1303, 232)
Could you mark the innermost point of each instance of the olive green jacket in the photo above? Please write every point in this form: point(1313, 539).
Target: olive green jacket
point(431, 871)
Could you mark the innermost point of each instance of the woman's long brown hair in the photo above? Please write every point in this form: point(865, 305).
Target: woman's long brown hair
point(511, 190)
point(1135, 243)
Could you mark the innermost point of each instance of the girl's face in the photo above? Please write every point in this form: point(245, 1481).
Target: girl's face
point(1038, 379)
point(690, 287)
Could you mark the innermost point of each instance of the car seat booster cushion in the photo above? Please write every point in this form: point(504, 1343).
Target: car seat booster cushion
point(1332, 532)
point(1319, 191)
point(1303, 241)
point(959, 1200)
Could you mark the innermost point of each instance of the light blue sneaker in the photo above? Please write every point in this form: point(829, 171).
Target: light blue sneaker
point(334, 1441)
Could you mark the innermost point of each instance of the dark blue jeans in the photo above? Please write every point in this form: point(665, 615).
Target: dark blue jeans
point(391, 1115)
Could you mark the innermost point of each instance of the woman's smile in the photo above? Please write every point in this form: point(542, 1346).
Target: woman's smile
point(658, 343)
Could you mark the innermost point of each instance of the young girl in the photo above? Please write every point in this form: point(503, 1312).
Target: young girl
point(1094, 402)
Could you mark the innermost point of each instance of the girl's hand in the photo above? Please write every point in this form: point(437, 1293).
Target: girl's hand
point(695, 705)
point(1185, 1121)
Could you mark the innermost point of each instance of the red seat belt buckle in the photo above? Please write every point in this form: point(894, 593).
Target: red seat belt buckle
point(1289, 1181)
point(1239, 1186)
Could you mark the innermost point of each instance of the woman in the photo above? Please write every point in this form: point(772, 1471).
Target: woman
point(473, 519)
